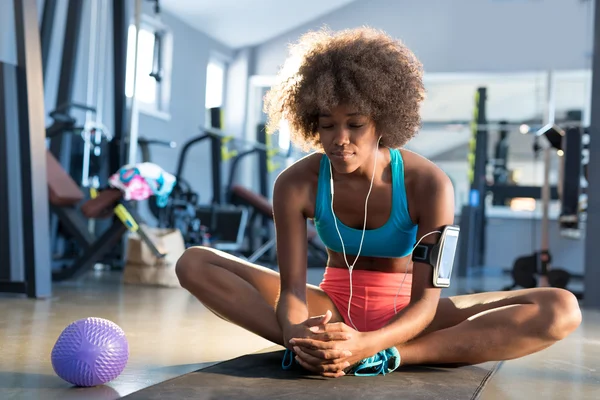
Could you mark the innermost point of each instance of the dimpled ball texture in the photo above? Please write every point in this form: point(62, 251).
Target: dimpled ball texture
point(90, 352)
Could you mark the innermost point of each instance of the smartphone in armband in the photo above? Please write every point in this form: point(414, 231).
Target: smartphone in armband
point(440, 255)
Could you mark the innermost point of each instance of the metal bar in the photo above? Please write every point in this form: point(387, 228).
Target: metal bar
point(92, 84)
point(12, 287)
point(591, 293)
point(472, 220)
point(465, 252)
point(254, 144)
point(233, 168)
point(261, 250)
point(571, 188)
point(5, 247)
point(263, 176)
point(66, 83)
point(482, 161)
point(545, 225)
point(13, 172)
point(93, 253)
point(215, 147)
point(46, 31)
point(146, 237)
point(75, 224)
point(32, 135)
point(261, 137)
point(184, 152)
point(512, 191)
point(118, 146)
point(524, 127)
point(60, 146)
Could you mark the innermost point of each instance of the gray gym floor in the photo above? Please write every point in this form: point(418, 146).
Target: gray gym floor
point(171, 334)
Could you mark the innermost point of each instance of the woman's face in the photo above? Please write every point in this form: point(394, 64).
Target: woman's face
point(348, 137)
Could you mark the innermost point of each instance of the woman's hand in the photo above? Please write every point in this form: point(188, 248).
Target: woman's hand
point(308, 329)
point(326, 354)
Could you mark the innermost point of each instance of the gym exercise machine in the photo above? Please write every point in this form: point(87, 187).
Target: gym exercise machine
point(145, 143)
point(89, 144)
point(215, 222)
point(210, 223)
point(65, 197)
point(471, 253)
point(77, 137)
point(548, 139)
point(569, 142)
point(229, 221)
point(180, 211)
point(120, 15)
point(259, 230)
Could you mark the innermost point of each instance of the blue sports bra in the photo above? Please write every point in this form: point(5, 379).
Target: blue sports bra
point(394, 239)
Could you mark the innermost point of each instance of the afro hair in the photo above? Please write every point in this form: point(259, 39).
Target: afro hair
point(362, 67)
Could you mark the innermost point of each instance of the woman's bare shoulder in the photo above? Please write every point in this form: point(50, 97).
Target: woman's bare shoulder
point(419, 169)
point(298, 182)
point(426, 183)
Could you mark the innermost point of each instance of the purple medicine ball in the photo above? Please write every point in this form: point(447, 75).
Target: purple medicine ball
point(90, 352)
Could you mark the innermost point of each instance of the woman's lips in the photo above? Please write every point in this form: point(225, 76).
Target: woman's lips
point(342, 155)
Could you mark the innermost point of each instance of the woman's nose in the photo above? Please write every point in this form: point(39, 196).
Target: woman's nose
point(341, 136)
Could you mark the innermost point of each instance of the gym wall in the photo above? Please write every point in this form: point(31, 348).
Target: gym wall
point(465, 35)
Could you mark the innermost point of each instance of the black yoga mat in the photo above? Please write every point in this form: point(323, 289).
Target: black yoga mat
point(259, 376)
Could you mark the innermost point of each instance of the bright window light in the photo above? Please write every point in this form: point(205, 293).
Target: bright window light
point(145, 85)
point(523, 204)
point(215, 79)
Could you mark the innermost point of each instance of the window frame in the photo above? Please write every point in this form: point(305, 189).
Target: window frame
point(160, 107)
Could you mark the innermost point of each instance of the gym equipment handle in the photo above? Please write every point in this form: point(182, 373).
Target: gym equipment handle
point(148, 142)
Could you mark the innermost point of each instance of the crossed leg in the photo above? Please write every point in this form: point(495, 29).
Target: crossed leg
point(242, 293)
point(466, 329)
point(494, 326)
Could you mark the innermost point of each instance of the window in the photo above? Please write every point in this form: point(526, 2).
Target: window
point(284, 135)
point(215, 82)
point(152, 69)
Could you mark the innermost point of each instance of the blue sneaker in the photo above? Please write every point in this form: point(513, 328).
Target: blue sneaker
point(384, 362)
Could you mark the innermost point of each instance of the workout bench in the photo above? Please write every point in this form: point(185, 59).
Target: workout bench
point(65, 195)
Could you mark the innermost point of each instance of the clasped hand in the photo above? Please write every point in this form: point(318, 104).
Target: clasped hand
point(327, 348)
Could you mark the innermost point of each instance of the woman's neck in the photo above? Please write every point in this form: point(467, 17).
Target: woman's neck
point(365, 171)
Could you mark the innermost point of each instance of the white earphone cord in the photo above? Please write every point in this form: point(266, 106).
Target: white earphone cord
point(351, 267)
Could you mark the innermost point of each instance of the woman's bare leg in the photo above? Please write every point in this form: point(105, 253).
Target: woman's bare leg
point(494, 326)
point(240, 292)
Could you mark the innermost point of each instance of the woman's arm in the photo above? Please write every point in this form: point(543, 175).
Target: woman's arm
point(289, 196)
point(435, 209)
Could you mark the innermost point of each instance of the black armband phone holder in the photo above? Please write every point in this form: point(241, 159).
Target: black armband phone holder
point(439, 255)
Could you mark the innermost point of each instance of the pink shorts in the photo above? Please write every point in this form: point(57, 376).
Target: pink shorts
point(373, 294)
